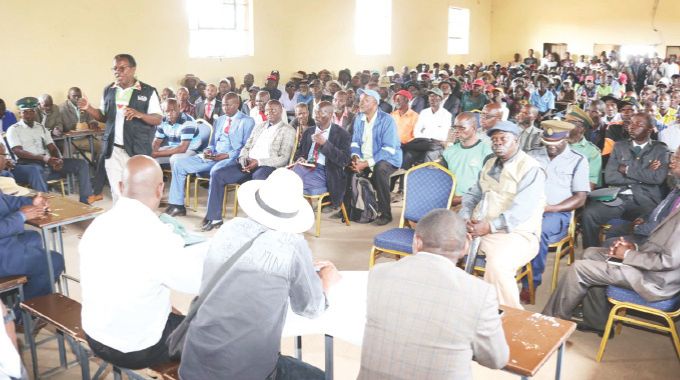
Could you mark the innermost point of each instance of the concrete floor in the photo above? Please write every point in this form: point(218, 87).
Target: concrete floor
point(635, 354)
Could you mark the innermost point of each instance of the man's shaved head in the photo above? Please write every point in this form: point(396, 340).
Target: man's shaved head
point(142, 180)
point(441, 232)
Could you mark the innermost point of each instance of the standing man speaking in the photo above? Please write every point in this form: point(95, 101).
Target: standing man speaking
point(131, 110)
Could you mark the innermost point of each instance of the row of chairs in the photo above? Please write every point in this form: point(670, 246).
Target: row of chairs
point(431, 186)
point(195, 180)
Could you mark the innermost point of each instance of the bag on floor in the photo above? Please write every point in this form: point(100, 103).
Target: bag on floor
point(363, 206)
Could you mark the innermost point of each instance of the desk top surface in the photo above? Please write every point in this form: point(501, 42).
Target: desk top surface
point(64, 210)
point(532, 338)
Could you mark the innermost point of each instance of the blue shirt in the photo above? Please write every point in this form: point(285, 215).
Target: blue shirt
point(543, 103)
point(8, 119)
point(174, 134)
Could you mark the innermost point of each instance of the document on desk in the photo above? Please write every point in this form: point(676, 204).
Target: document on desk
point(346, 314)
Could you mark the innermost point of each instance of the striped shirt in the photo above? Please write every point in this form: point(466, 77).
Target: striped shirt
point(184, 129)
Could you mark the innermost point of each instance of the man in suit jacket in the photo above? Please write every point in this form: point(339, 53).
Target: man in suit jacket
point(639, 167)
point(22, 250)
point(71, 114)
point(269, 147)
point(231, 131)
point(210, 108)
point(652, 270)
point(327, 147)
point(439, 318)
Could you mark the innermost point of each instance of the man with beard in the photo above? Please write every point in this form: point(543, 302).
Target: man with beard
point(505, 210)
point(638, 167)
point(530, 138)
point(566, 187)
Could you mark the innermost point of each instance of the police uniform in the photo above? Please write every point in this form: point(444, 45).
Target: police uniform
point(566, 174)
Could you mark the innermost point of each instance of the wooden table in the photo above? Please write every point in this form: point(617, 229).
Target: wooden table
point(532, 337)
point(63, 211)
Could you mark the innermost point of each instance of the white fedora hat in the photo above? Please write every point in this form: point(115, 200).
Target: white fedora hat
point(277, 202)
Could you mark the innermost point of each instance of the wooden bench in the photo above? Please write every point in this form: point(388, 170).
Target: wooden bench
point(64, 313)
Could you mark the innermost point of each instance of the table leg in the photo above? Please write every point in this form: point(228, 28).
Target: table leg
point(329, 356)
point(28, 335)
point(298, 347)
point(560, 356)
point(55, 247)
point(50, 268)
point(60, 238)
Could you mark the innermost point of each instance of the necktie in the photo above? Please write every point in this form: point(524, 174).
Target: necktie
point(314, 155)
point(208, 109)
point(264, 117)
point(226, 129)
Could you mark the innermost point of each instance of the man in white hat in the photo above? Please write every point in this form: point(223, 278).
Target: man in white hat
point(236, 333)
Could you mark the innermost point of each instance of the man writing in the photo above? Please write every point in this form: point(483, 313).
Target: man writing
point(131, 109)
point(236, 333)
point(505, 210)
point(322, 157)
point(128, 324)
point(447, 316)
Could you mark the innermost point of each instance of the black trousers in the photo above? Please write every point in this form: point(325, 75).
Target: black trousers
point(382, 170)
point(156, 354)
point(597, 213)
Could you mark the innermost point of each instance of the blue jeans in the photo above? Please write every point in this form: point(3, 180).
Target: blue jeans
point(74, 166)
point(554, 228)
point(186, 166)
point(313, 179)
point(225, 176)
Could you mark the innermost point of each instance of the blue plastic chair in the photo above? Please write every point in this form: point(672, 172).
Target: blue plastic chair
point(427, 187)
point(625, 299)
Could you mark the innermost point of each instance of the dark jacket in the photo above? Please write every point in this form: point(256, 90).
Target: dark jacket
point(452, 104)
point(645, 183)
point(216, 112)
point(14, 240)
point(137, 135)
point(337, 152)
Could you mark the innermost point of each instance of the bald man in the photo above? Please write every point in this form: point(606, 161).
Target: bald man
point(449, 316)
point(127, 324)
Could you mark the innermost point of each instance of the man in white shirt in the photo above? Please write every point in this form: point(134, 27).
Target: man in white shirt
point(430, 132)
point(257, 113)
point(127, 322)
point(671, 135)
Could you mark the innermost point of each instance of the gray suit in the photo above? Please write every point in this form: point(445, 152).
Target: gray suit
point(69, 116)
point(427, 319)
point(652, 271)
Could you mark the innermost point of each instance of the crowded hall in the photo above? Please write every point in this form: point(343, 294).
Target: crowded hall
point(348, 189)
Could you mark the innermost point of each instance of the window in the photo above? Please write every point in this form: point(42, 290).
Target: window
point(459, 31)
point(220, 28)
point(373, 27)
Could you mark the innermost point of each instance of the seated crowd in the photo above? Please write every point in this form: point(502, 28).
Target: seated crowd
point(530, 144)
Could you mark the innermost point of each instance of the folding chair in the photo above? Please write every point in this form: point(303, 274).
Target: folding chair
point(565, 247)
point(427, 187)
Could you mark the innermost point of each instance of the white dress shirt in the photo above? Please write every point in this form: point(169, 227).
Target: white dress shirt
point(261, 146)
point(33, 139)
point(129, 261)
point(433, 125)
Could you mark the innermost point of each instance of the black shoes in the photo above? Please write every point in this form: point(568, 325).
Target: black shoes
point(382, 220)
point(174, 210)
point(586, 328)
point(209, 225)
